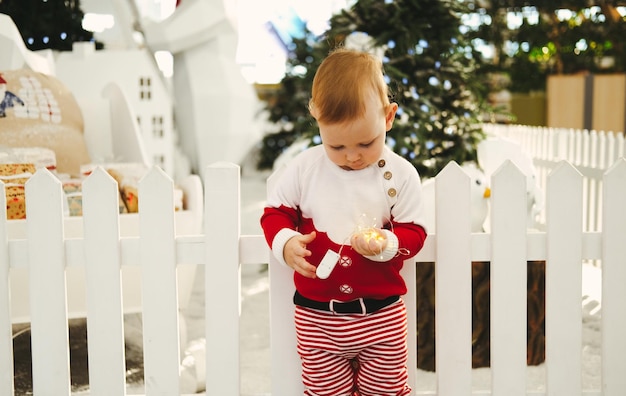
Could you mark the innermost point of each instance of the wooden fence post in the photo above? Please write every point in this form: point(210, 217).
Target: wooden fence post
point(564, 281)
point(222, 278)
point(409, 272)
point(105, 319)
point(508, 271)
point(157, 246)
point(613, 281)
point(48, 302)
point(453, 277)
point(286, 369)
point(6, 344)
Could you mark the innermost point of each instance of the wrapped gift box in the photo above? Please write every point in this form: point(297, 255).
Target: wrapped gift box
point(74, 196)
point(11, 170)
point(14, 176)
point(40, 157)
point(16, 203)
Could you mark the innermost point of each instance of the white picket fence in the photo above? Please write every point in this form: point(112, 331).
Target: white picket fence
point(158, 251)
point(590, 152)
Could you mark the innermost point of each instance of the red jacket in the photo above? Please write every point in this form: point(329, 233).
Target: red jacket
point(314, 194)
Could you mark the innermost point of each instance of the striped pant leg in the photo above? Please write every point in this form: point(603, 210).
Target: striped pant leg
point(383, 363)
point(327, 370)
point(328, 344)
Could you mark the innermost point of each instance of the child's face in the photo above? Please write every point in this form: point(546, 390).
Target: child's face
point(356, 144)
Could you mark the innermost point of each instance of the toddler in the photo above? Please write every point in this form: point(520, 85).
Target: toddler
point(345, 215)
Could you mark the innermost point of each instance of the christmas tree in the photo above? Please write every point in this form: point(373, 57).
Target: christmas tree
point(432, 71)
point(43, 24)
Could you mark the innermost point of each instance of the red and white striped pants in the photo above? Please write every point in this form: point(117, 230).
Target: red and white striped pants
point(344, 353)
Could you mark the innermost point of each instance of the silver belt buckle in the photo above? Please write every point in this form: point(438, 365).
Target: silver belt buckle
point(331, 306)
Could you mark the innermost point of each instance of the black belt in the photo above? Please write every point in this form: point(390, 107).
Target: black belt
point(359, 306)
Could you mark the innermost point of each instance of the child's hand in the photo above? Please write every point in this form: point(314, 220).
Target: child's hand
point(295, 253)
point(369, 241)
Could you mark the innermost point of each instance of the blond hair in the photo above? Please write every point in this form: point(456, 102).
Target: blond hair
point(343, 82)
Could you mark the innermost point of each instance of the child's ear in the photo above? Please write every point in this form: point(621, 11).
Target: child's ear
point(312, 110)
point(390, 115)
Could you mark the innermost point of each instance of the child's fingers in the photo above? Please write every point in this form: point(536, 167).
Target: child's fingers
point(305, 269)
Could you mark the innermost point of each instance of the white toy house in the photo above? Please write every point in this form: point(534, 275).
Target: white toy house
point(137, 102)
point(117, 92)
